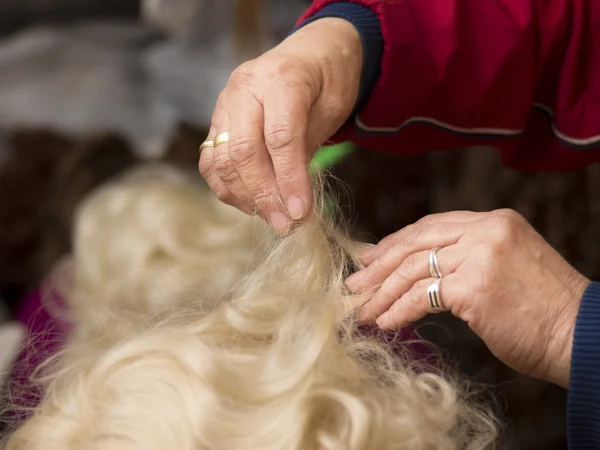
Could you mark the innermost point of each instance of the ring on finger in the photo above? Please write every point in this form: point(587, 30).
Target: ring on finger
point(209, 143)
point(433, 292)
point(221, 138)
point(434, 264)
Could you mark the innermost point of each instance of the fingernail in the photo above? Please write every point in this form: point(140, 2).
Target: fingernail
point(296, 208)
point(382, 320)
point(280, 222)
point(353, 280)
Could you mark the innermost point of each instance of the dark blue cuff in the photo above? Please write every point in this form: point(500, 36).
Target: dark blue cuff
point(368, 25)
point(583, 407)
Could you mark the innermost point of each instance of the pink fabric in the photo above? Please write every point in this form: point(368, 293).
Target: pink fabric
point(529, 65)
point(46, 319)
point(47, 324)
point(406, 341)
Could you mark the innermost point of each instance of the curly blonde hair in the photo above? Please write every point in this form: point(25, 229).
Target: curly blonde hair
point(231, 352)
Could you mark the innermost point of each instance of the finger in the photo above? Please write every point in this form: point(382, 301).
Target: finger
point(407, 233)
point(206, 162)
point(224, 167)
point(215, 183)
point(415, 304)
point(435, 235)
point(285, 130)
point(414, 268)
point(248, 152)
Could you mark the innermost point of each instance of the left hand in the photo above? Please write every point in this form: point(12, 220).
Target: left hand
point(514, 290)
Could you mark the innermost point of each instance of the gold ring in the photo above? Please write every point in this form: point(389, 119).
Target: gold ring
point(209, 143)
point(221, 138)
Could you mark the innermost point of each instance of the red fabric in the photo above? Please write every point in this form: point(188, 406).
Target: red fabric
point(484, 64)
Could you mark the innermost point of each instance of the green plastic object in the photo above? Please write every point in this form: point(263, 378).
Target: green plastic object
point(326, 158)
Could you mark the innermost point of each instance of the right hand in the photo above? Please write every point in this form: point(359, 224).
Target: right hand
point(278, 110)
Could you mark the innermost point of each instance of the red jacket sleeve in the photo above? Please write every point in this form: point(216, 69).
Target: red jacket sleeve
point(520, 75)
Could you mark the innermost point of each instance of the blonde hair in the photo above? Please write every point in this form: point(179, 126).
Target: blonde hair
point(272, 361)
point(148, 244)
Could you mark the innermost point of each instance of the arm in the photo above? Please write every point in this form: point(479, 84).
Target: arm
point(584, 389)
point(521, 75)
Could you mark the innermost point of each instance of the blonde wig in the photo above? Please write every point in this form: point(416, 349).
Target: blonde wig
point(218, 359)
point(147, 245)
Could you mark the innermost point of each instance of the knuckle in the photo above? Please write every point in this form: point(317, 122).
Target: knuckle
point(408, 267)
point(392, 287)
point(503, 230)
point(391, 240)
point(205, 166)
point(378, 265)
point(509, 213)
point(287, 177)
point(281, 66)
point(242, 150)
point(412, 234)
point(416, 292)
point(224, 167)
point(221, 102)
point(243, 75)
point(279, 137)
point(265, 198)
point(427, 220)
point(220, 190)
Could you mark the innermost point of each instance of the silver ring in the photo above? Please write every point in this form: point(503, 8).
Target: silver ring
point(434, 265)
point(433, 292)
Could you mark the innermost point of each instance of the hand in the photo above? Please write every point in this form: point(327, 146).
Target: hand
point(278, 109)
point(515, 292)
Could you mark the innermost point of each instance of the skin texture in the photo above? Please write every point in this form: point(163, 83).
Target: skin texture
point(514, 290)
point(278, 110)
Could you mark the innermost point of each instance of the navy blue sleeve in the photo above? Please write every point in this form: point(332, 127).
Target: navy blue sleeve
point(583, 407)
point(368, 25)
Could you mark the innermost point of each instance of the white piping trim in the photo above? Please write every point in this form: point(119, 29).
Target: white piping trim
point(429, 120)
point(578, 142)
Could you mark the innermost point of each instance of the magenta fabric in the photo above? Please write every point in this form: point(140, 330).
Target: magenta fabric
point(46, 320)
point(45, 317)
point(521, 75)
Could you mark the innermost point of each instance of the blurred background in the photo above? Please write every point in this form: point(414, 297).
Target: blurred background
point(89, 88)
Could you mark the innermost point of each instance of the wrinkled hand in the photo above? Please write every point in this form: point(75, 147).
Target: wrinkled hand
point(515, 292)
point(278, 109)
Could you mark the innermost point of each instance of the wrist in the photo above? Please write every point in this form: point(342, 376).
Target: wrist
point(367, 24)
point(560, 344)
point(341, 62)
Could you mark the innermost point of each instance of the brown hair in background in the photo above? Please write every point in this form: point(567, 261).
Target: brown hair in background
point(25, 178)
point(182, 150)
point(42, 180)
point(89, 164)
